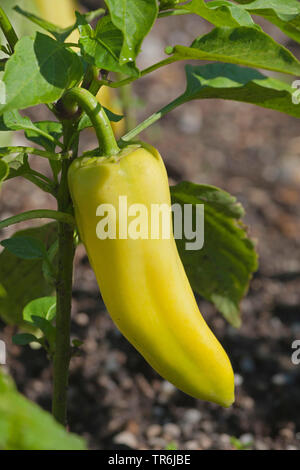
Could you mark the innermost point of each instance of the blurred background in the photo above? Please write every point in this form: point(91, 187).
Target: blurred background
point(115, 399)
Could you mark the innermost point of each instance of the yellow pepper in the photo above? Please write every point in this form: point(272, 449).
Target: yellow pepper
point(142, 281)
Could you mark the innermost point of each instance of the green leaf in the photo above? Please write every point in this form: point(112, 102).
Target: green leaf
point(22, 339)
point(4, 170)
point(85, 121)
point(25, 426)
point(12, 120)
point(60, 34)
point(222, 269)
point(38, 72)
point(17, 164)
point(22, 280)
point(135, 19)
point(77, 343)
point(220, 13)
point(285, 15)
point(2, 64)
point(25, 247)
point(113, 116)
point(232, 82)
point(44, 307)
point(50, 264)
point(172, 446)
point(15, 161)
point(239, 445)
point(47, 328)
point(52, 128)
point(102, 47)
point(242, 45)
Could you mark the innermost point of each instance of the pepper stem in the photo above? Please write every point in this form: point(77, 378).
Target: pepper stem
point(98, 117)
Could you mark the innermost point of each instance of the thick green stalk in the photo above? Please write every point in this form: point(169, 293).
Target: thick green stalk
point(101, 123)
point(62, 355)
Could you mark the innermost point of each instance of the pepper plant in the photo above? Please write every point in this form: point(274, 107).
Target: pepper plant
point(46, 68)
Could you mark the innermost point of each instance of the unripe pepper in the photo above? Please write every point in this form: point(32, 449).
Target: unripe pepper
point(142, 281)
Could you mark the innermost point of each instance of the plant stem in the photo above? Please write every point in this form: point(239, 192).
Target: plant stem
point(91, 79)
point(129, 111)
point(41, 176)
point(62, 355)
point(8, 30)
point(101, 123)
point(39, 214)
point(162, 14)
point(48, 188)
point(152, 119)
point(152, 68)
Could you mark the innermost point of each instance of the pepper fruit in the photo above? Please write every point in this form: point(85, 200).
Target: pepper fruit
point(142, 281)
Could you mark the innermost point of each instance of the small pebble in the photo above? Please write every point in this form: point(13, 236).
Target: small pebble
point(166, 391)
point(190, 122)
point(246, 438)
point(247, 403)
point(260, 445)
point(126, 438)
point(204, 441)
point(192, 416)
point(192, 445)
point(225, 439)
point(82, 319)
point(171, 430)
point(153, 430)
point(157, 443)
point(280, 379)
point(112, 364)
point(238, 380)
point(287, 433)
